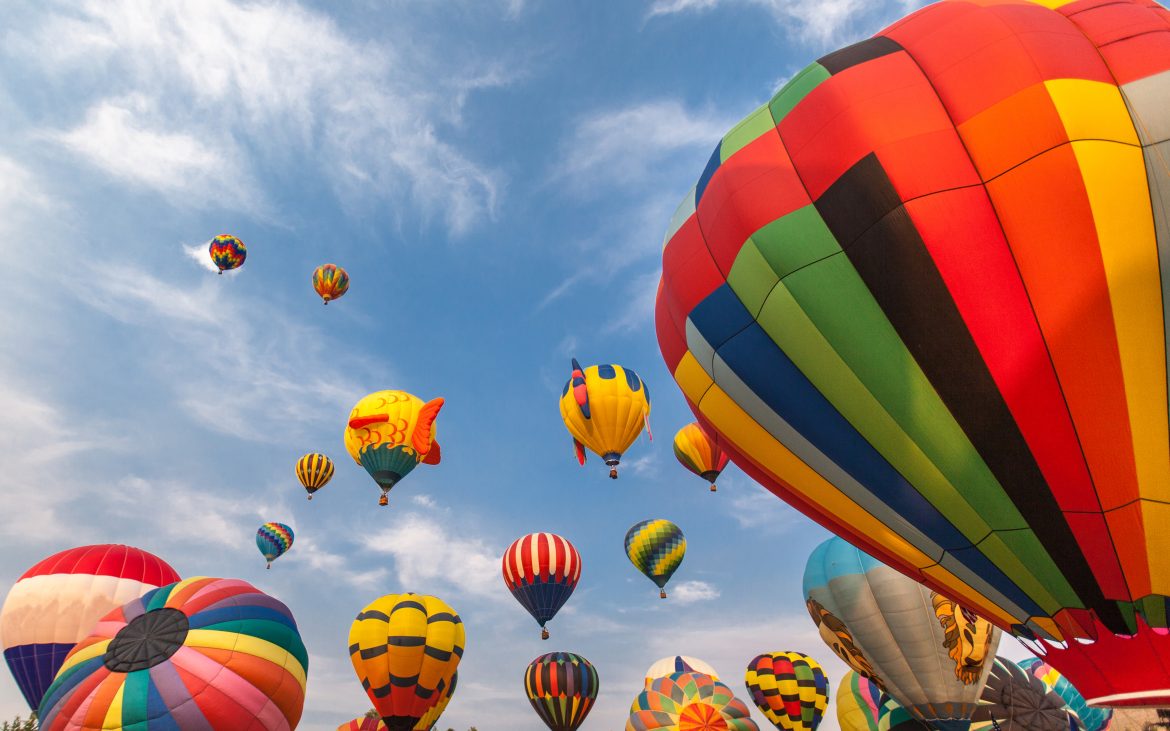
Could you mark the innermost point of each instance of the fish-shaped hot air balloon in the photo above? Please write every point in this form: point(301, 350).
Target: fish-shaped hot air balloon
point(389, 433)
point(605, 407)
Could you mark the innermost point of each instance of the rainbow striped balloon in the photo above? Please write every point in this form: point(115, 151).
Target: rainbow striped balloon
point(690, 701)
point(274, 540)
point(656, 548)
point(199, 654)
point(227, 252)
point(330, 282)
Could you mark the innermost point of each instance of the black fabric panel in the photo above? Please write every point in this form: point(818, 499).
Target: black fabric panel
point(896, 266)
point(858, 53)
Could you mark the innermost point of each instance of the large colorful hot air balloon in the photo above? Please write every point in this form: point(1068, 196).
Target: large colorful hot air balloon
point(605, 407)
point(859, 702)
point(330, 282)
point(678, 664)
point(202, 654)
point(920, 296)
point(689, 701)
point(371, 721)
point(789, 688)
point(227, 252)
point(893, 717)
point(1093, 718)
point(929, 654)
point(405, 649)
point(314, 471)
point(273, 540)
point(656, 547)
point(561, 687)
point(1015, 700)
point(541, 570)
point(389, 433)
point(699, 452)
point(56, 603)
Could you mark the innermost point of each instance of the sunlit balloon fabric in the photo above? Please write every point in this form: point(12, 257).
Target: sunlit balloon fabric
point(56, 603)
point(790, 689)
point(405, 649)
point(678, 664)
point(227, 252)
point(859, 702)
point(920, 294)
point(389, 433)
point(1015, 700)
point(561, 686)
point(656, 547)
point(426, 723)
point(700, 453)
point(365, 723)
point(929, 654)
point(1091, 717)
point(541, 570)
point(274, 540)
point(330, 282)
point(197, 655)
point(314, 472)
point(689, 702)
point(605, 407)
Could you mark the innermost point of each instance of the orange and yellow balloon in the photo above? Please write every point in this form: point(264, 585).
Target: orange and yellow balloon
point(605, 407)
point(699, 452)
point(389, 433)
point(314, 471)
point(330, 281)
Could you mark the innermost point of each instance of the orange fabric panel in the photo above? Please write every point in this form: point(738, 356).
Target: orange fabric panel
point(1008, 133)
point(1127, 526)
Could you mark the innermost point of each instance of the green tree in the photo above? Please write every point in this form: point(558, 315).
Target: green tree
point(20, 724)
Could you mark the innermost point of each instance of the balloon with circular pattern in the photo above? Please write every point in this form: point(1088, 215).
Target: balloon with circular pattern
point(700, 453)
point(561, 686)
point(227, 252)
point(605, 407)
point(790, 689)
point(314, 472)
point(202, 654)
point(56, 603)
point(330, 282)
point(1094, 718)
point(541, 570)
point(1015, 700)
point(389, 433)
point(656, 547)
point(678, 664)
point(405, 649)
point(273, 540)
point(691, 701)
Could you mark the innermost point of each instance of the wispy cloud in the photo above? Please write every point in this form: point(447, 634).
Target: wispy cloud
point(638, 313)
point(754, 507)
point(689, 592)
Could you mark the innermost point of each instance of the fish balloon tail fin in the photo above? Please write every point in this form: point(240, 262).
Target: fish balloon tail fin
point(579, 449)
point(424, 430)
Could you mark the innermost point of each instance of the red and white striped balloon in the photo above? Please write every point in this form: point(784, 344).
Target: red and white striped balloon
point(541, 570)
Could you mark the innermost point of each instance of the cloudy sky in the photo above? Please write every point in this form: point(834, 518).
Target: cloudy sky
point(496, 177)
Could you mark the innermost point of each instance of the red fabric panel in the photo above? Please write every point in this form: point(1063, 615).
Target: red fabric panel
point(670, 339)
point(688, 270)
point(1127, 525)
point(107, 560)
point(927, 163)
point(1096, 543)
point(1139, 57)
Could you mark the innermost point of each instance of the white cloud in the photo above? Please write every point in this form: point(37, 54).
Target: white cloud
point(198, 254)
point(689, 592)
point(754, 507)
point(20, 192)
point(425, 501)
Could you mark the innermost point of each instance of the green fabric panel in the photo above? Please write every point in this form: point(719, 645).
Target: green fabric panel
point(159, 600)
point(1129, 614)
point(795, 240)
point(134, 695)
point(274, 632)
point(751, 278)
point(791, 329)
point(752, 126)
point(796, 89)
point(1021, 556)
point(1153, 608)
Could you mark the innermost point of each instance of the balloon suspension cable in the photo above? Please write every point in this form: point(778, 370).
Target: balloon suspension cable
point(713, 487)
point(613, 473)
point(383, 501)
point(543, 633)
point(662, 593)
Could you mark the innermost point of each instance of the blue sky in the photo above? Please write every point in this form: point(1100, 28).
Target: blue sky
point(496, 177)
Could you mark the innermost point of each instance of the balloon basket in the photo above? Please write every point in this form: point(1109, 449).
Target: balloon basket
point(543, 634)
point(383, 501)
point(713, 487)
point(662, 594)
point(613, 474)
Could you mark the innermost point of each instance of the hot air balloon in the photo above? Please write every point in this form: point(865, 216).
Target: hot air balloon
point(371, 721)
point(789, 688)
point(227, 252)
point(919, 295)
point(389, 433)
point(699, 452)
point(561, 687)
point(1092, 718)
point(203, 653)
point(929, 654)
point(605, 407)
point(1015, 700)
point(368, 722)
point(689, 701)
point(314, 471)
point(405, 649)
point(330, 282)
point(56, 603)
point(541, 570)
point(678, 664)
point(859, 702)
point(273, 540)
point(656, 548)
point(893, 717)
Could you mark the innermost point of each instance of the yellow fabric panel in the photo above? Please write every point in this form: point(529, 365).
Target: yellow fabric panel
point(97, 649)
point(1115, 181)
point(113, 719)
point(1052, 3)
point(1091, 110)
point(1156, 518)
point(248, 645)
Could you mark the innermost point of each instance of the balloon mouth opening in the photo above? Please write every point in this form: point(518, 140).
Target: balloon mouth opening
point(149, 639)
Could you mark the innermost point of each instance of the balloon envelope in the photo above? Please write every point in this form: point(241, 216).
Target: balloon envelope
point(330, 282)
point(273, 540)
point(56, 603)
point(678, 664)
point(227, 252)
point(859, 702)
point(699, 452)
point(920, 295)
point(1093, 718)
point(689, 701)
point(202, 653)
point(1015, 700)
point(561, 687)
point(389, 433)
point(314, 472)
point(541, 570)
point(656, 547)
point(605, 407)
point(789, 688)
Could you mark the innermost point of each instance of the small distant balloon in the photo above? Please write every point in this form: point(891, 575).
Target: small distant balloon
point(314, 471)
point(330, 281)
point(227, 252)
point(274, 540)
point(605, 407)
point(699, 452)
point(656, 548)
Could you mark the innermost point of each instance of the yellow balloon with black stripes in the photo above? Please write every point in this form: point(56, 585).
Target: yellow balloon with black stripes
point(605, 407)
point(656, 548)
point(405, 648)
point(790, 689)
point(314, 471)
